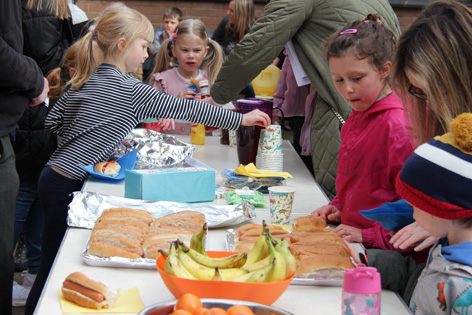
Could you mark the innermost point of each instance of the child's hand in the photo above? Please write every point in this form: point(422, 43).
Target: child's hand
point(349, 233)
point(351, 251)
point(256, 118)
point(167, 124)
point(187, 93)
point(413, 235)
point(329, 213)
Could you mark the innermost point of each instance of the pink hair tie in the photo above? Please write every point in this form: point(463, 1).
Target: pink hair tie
point(173, 37)
point(349, 31)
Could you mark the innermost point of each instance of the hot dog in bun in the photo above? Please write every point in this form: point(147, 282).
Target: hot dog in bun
point(111, 168)
point(83, 291)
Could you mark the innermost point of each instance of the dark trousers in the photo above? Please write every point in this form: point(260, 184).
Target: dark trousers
point(9, 185)
point(55, 194)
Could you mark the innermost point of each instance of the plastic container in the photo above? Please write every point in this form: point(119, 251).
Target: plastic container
point(361, 291)
point(204, 89)
point(265, 293)
point(247, 137)
point(197, 134)
point(265, 83)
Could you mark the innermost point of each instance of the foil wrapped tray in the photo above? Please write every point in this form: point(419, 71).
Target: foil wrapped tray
point(155, 149)
point(86, 207)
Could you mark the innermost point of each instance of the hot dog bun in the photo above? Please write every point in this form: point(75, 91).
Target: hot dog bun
point(111, 168)
point(323, 266)
point(83, 291)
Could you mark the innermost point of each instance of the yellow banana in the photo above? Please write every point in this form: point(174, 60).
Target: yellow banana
point(197, 270)
point(290, 260)
point(174, 266)
point(279, 270)
point(258, 265)
point(217, 276)
point(261, 275)
point(266, 230)
point(231, 273)
point(232, 261)
point(197, 242)
point(258, 251)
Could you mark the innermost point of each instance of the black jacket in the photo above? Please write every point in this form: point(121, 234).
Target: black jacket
point(46, 40)
point(20, 79)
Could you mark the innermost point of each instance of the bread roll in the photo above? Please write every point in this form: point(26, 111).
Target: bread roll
point(126, 214)
point(309, 222)
point(83, 291)
point(106, 250)
point(156, 229)
point(323, 267)
point(111, 168)
point(316, 237)
point(298, 249)
point(129, 224)
point(118, 231)
point(165, 238)
point(187, 218)
point(257, 230)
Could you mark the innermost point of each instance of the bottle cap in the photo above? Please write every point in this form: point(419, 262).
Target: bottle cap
point(362, 280)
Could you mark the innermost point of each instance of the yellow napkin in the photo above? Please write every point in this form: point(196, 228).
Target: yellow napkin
point(251, 171)
point(128, 302)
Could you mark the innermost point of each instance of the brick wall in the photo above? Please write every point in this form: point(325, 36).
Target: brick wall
point(210, 12)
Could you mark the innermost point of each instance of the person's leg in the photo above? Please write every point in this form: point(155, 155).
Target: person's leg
point(29, 217)
point(55, 195)
point(248, 91)
point(9, 186)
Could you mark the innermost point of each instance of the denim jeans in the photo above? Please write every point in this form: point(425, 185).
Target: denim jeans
point(8, 192)
point(29, 218)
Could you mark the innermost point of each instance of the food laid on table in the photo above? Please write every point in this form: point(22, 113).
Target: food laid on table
point(318, 249)
point(111, 168)
point(134, 233)
point(85, 292)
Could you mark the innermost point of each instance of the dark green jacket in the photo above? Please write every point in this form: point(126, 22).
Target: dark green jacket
point(307, 23)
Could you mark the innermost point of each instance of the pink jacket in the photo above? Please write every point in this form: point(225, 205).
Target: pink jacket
point(374, 146)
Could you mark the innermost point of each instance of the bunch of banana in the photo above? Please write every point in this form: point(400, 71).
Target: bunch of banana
point(197, 242)
point(269, 260)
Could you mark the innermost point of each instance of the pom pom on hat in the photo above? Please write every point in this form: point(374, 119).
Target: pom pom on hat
point(437, 177)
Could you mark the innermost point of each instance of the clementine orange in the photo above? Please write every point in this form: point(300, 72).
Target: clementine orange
point(217, 311)
point(202, 311)
point(181, 312)
point(189, 302)
point(239, 310)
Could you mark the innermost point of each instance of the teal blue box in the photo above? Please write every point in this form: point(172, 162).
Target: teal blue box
point(192, 182)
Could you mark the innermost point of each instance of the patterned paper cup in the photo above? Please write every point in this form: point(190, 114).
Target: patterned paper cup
point(270, 141)
point(281, 200)
point(232, 138)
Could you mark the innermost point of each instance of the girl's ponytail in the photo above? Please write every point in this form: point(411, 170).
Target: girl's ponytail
point(213, 60)
point(162, 59)
point(85, 61)
point(56, 83)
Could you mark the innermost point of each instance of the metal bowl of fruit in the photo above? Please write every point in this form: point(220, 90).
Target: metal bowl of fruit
point(166, 308)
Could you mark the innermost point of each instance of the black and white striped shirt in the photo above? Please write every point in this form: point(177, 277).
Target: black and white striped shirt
point(95, 119)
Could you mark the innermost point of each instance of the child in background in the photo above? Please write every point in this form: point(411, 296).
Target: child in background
point(99, 111)
point(436, 181)
point(172, 17)
point(374, 140)
point(199, 58)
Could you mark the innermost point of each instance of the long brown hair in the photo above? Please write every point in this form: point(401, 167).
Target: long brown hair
point(212, 61)
point(59, 77)
point(244, 17)
point(437, 50)
point(60, 8)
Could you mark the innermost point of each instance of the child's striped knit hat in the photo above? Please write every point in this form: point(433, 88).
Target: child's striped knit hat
point(437, 177)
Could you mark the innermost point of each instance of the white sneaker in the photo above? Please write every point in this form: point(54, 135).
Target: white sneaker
point(28, 279)
point(19, 295)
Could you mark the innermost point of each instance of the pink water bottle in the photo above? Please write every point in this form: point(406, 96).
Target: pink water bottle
point(361, 291)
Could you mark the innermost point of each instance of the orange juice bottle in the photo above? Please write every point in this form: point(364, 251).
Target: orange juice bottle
point(197, 134)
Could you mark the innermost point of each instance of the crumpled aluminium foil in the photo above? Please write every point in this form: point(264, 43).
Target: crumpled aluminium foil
point(155, 149)
point(86, 207)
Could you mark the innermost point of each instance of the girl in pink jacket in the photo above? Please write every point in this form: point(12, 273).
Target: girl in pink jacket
point(374, 139)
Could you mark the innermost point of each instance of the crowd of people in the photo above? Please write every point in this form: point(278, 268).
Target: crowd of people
point(385, 119)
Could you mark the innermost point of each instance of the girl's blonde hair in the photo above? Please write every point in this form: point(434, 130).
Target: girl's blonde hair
point(212, 61)
point(59, 77)
point(244, 17)
point(437, 50)
point(116, 21)
point(60, 8)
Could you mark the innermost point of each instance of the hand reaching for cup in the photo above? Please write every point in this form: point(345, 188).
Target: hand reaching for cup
point(256, 117)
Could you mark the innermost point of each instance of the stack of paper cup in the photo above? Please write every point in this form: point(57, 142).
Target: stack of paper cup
point(269, 154)
point(232, 138)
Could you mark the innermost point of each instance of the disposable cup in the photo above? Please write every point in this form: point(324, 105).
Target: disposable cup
point(281, 200)
point(270, 141)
